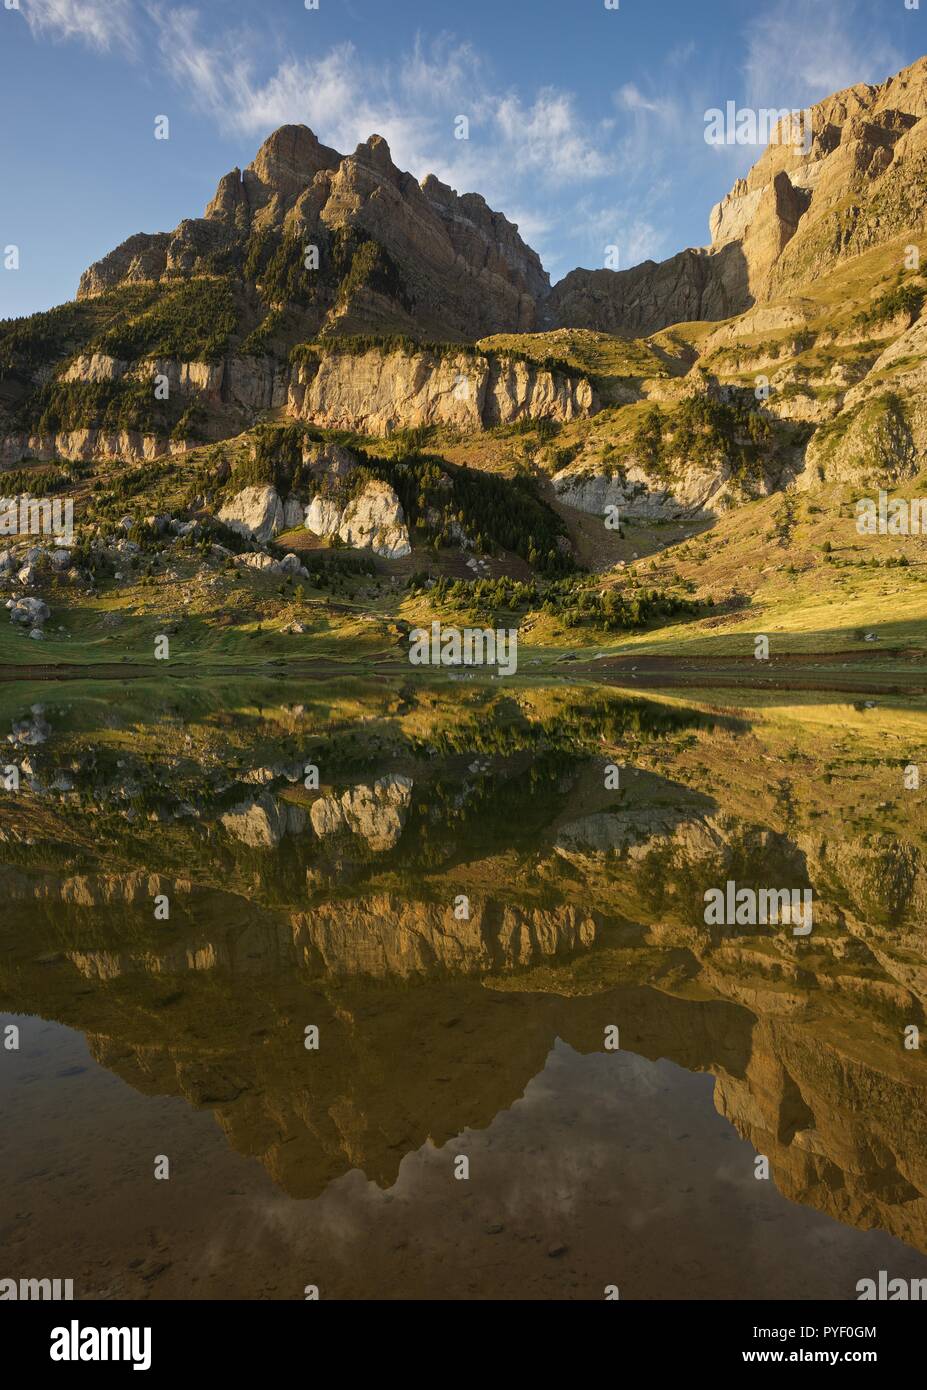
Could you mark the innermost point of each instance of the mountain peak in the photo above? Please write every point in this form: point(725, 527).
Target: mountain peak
point(395, 254)
point(289, 160)
point(448, 265)
point(376, 152)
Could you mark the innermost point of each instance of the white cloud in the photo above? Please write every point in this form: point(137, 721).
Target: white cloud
point(797, 56)
point(653, 125)
point(547, 137)
point(101, 24)
point(412, 103)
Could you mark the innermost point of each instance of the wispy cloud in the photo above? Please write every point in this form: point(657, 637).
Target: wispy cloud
point(621, 228)
point(548, 138)
point(631, 98)
point(101, 24)
point(413, 102)
point(798, 56)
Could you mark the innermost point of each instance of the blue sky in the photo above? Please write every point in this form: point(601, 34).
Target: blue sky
point(586, 124)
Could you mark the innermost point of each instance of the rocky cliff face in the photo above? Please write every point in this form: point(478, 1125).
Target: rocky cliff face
point(692, 285)
point(88, 444)
point(856, 181)
point(374, 392)
point(377, 392)
point(387, 937)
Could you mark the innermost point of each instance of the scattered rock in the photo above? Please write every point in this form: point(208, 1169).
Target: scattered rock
point(29, 612)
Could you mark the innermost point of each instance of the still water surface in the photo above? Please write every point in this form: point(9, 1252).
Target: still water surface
point(466, 907)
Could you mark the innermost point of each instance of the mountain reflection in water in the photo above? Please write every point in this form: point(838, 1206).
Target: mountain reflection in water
point(464, 905)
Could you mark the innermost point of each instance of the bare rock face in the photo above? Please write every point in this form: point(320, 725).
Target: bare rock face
point(323, 516)
point(750, 230)
point(692, 285)
point(372, 521)
point(375, 520)
point(255, 512)
point(263, 822)
point(641, 497)
point(868, 146)
point(377, 814)
point(84, 445)
point(246, 383)
point(788, 220)
point(259, 824)
point(95, 367)
point(139, 258)
point(266, 564)
point(282, 169)
point(377, 392)
point(383, 936)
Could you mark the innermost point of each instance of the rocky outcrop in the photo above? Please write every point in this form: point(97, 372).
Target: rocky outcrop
point(640, 496)
point(855, 180)
point(282, 169)
point(28, 612)
point(878, 438)
point(140, 257)
point(694, 284)
point(263, 822)
point(323, 516)
point(377, 814)
point(603, 475)
point(246, 383)
point(859, 179)
point(255, 512)
point(374, 520)
point(715, 283)
point(266, 564)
